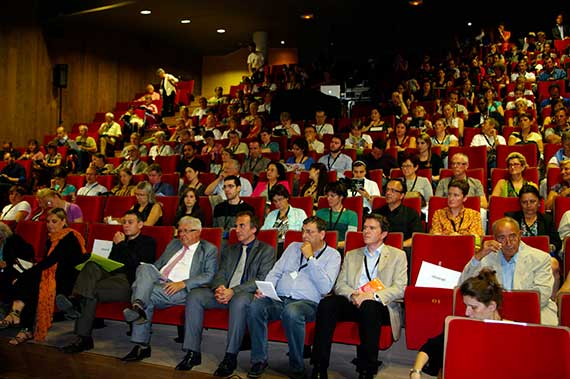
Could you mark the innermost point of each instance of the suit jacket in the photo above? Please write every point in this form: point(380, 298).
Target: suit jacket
point(204, 263)
point(259, 262)
point(556, 31)
point(132, 253)
point(532, 272)
point(392, 272)
point(140, 167)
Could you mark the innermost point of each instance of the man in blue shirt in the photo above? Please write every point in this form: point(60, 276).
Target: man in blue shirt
point(335, 160)
point(304, 274)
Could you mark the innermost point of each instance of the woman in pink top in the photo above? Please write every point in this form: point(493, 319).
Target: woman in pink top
point(275, 175)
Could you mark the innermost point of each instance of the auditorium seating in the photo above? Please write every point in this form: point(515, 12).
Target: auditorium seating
point(468, 341)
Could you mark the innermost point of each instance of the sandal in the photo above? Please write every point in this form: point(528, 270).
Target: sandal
point(10, 320)
point(23, 336)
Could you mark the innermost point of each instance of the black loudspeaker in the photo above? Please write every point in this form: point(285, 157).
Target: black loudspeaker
point(60, 76)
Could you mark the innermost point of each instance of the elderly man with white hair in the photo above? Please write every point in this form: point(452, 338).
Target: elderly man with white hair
point(109, 134)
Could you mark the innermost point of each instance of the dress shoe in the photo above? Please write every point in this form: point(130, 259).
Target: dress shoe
point(257, 370)
point(135, 314)
point(78, 345)
point(137, 354)
point(227, 365)
point(191, 359)
point(69, 306)
point(319, 373)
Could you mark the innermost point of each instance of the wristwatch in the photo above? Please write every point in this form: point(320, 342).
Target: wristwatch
point(311, 257)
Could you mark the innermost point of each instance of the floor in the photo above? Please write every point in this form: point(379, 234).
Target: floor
point(112, 341)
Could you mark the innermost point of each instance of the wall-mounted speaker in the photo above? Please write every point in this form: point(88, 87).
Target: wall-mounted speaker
point(60, 75)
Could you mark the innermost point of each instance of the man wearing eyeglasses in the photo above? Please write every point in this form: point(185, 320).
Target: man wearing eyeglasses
point(459, 163)
point(305, 273)
point(187, 262)
point(402, 219)
point(518, 266)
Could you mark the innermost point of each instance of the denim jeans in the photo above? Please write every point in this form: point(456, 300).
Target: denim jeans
point(293, 315)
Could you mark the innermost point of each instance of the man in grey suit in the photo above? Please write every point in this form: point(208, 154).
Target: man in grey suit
point(232, 288)
point(187, 263)
point(371, 280)
point(518, 266)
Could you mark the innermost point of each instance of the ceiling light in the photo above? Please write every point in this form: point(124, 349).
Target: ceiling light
point(146, 11)
point(415, 3)
point(282, 42)
point(307, 16)
point(221, 31)
point(469, 24)
point(185, 21)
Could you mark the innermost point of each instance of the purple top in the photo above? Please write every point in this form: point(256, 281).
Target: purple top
point(73, 212)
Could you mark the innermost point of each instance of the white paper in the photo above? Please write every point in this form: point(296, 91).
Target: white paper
point(102, 248)
point(267, 289)
point(20, 263)
point(435, 276)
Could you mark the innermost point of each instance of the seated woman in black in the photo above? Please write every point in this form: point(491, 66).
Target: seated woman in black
point(147, 205)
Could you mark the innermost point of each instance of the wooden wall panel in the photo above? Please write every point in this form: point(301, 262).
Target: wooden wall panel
point(101, 72)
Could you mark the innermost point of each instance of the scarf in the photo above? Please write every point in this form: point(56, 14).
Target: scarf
point(46, 298)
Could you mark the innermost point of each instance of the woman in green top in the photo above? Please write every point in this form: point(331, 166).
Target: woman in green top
point(510, 187)
point(336, 215)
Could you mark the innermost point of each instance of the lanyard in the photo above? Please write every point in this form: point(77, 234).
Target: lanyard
point(373, 268)
point(13, 205)
point(330, 166)
point(414, 184)
point(338, 218)
point(455, 228)
point(281, 220)
point(302, 266)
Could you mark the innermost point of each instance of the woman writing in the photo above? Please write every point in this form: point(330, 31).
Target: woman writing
point(36, 289)
point(189, 206)
point(510, 187)
point(483, 297)
point(300, 149)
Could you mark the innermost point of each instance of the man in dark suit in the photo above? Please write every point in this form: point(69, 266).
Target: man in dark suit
point(356, 299)
point(233, 287)
point(95, 284)
point(187, 263)
point(160, 188)
point(560, 30)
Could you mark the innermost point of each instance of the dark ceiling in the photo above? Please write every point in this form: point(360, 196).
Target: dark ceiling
point(350, 25)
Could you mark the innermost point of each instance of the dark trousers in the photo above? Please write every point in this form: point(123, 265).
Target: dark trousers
point(26, 289)
point(370, 317)
point(95, 284)
point(168, 104)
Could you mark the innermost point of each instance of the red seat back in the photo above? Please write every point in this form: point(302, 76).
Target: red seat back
point(35, 233)
point(92, 207)
point(116, 206)
point(169, 205)
point(212, 235)
point(529, 151)
point(162, 236)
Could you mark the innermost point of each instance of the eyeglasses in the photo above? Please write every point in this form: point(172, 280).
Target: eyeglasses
point(187, 230)
point(511, 238)
point(458, 164)
point(388, 189)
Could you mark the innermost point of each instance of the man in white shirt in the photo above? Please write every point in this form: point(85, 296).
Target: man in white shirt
point(202, 110)
point(335, 160)
point(168, 92)
point(92, 187)
point(187, 262)
point(217, 186)
point(368, 190)
point(321, 126)
point(255, 62)
point(311, 137)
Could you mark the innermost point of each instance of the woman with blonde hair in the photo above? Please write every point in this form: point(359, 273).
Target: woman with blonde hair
point(510, 187)
point(35, 290)
point(147, 205)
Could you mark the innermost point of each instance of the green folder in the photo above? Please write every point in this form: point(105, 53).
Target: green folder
point(105, 263)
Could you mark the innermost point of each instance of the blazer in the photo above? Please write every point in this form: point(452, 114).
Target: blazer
point(204, 263)
point(259, 262)
point(532, 272)
point(556, 31)
point(392, 272)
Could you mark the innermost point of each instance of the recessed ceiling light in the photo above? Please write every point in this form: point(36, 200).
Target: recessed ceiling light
point(185, 21)
point(146, 11)
point(282, 42)
point(469, 24)
point(415, 3)
point(221, 31)
point(307, 16)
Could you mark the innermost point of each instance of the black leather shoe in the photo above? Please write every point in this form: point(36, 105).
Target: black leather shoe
point(227, 365)
point(319, 373)
point(78, 345)
point(137, 354)
point(257, 370)
point(191, 359)
point(135, 314)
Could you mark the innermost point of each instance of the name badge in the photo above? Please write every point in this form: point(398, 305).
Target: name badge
point(293, 274)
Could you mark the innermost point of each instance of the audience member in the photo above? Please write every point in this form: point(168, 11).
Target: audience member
point(284, 217)
point(18, 209)
point(109, 134)
point(362, 186)
point(231, 169)
point(126, 186)
point(225, 213)
point(335, 160)
point(188, 205)
point(167, 91)
point(92, 186)
point(159, 187)
point(339, 218)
